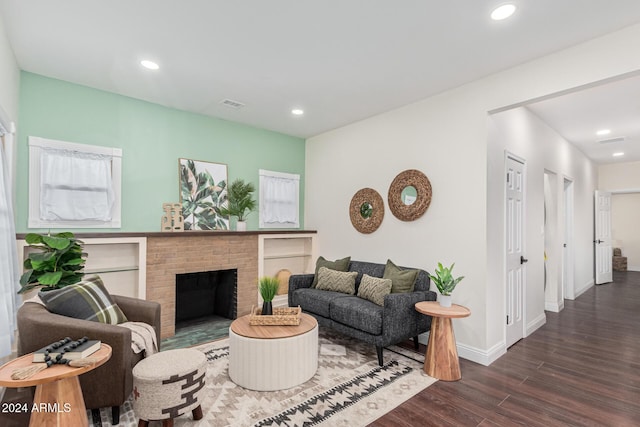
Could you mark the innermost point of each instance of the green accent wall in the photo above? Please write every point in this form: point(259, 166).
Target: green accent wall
point(152, 138)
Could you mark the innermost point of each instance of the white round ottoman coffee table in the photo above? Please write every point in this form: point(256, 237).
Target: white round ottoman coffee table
point(168, 384)
point(268, 358)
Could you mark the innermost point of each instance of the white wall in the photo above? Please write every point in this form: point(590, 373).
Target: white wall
point(624, 208)
point(9, 77)
point(446, 136)
point(548, 157)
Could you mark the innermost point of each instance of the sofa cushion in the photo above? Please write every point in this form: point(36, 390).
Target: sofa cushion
point(315, 301)
point(403, 280)
point(88, 300)
point(338, 265)
point(374, 289)
point(357, 313)
point(337, 281)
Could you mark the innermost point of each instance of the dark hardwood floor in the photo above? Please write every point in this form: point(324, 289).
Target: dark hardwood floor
point(582, 368)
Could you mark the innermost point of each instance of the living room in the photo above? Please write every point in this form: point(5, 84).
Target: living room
point(457, 137)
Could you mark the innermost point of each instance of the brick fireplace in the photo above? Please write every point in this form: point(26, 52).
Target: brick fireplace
point(192, 253)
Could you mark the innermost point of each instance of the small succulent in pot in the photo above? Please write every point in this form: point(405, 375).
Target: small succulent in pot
point(445, 283)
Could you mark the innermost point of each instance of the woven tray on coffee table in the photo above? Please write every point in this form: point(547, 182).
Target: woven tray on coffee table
point(281, 316)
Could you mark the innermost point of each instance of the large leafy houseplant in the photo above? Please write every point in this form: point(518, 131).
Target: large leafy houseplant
point(444, 280)
point(240, 200)
point(202, 199)
point(56, 262)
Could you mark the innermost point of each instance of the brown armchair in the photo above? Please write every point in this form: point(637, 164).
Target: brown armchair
point(111, 384)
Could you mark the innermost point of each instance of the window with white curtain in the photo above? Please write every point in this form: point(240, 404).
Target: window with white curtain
point(73, 185)
point(279, 200)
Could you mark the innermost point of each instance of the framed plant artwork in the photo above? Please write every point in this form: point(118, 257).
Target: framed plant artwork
point(203, 191)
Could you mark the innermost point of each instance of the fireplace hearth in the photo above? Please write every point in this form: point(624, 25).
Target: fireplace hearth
point(206, 294)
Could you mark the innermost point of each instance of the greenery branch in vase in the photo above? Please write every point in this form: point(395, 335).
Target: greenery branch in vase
point(57, 262)
point(268, 287)
point(240, 202)
point(445, 283)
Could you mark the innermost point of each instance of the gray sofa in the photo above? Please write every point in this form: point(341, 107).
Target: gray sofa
point(351, 315)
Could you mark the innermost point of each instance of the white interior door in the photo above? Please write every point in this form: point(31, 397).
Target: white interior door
point(604, 260)
point(515, 257)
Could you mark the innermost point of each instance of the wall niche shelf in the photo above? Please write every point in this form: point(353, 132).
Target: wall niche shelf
point(119, 261)
point(293, 252)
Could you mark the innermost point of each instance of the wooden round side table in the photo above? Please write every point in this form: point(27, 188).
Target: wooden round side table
point(441, 360)
point(58, 399)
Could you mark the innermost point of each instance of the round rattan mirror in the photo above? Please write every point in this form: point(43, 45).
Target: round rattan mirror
point(366, 210)
point(402, 203)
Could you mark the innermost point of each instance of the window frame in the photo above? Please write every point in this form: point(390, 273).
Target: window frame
point(273, 174)
point(36, 144)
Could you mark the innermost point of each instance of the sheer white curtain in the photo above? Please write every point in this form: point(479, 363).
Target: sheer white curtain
point(9, 273)
point(279, 199)
point(75, 186)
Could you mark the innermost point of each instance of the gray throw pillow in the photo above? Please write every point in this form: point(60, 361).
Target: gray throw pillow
point(87, 300)
point(402, 280)
point(338, 265)
point(374, 289)
point(337, 281)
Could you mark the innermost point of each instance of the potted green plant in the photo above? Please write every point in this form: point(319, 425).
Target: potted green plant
point(268, 287)
point(240, 202)
point(445, 283)
point(57, 261)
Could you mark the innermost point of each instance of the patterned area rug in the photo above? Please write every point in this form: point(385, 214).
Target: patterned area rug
point(349, 389)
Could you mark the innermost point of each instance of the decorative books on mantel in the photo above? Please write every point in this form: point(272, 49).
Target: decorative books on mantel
point(80, 352)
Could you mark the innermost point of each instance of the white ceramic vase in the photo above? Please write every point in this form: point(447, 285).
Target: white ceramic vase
point(241, 226)
point(445, 300)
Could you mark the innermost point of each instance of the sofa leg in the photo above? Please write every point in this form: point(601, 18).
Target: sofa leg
point(379, 351)
point(115, 415)
point(416, 343)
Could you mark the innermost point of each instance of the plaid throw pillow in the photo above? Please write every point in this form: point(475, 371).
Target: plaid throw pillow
point(88, 300)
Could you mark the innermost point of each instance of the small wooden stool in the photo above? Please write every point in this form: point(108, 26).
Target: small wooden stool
point(168, 384)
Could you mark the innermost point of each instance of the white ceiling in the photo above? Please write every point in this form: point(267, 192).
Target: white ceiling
point(339, 60)
point(578, 116)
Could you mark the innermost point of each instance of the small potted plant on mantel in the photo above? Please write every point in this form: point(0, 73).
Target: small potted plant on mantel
point(268, 287)
point(445, 283)
point(240, 202)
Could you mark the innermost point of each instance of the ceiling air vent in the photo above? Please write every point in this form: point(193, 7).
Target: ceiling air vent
point(232, 104)
point(611, 140)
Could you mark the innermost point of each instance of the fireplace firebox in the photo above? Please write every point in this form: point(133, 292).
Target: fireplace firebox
point(206, 294)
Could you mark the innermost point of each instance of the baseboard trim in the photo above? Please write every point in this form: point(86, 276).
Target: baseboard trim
point(584, 289)
point(536, 324)
point(552, 306)
point(633, 268)
point(483, 357)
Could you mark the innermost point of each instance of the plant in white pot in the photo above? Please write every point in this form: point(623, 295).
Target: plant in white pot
point(240, 202)
point(445, 283)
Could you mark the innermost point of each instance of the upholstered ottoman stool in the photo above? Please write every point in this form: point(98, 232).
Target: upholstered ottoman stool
point(168, 384)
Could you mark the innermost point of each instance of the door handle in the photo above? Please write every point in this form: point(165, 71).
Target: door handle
point(598, 241)
point(523, 259)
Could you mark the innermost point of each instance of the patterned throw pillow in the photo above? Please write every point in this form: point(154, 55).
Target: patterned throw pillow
point(88, 300)
point(374, 289)
point(338, 281)
point(338, 265)
point(402, 280)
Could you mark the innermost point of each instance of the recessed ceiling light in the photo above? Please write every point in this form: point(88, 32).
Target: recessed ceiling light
point(618, 154)
point(149, 64)
point(297, 112)
point(602, 132)
point(503, 12)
